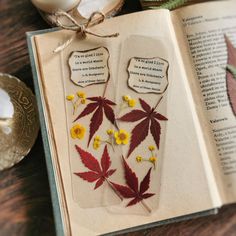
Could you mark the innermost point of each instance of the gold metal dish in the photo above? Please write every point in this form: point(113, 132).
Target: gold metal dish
point(19, 124)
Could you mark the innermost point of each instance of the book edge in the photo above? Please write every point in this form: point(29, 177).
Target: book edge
point(51, 177)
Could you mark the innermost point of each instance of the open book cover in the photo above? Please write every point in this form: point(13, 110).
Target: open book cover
point(140, 129)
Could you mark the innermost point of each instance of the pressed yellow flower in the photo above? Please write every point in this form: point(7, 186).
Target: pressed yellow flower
point(77, 131)
point(126, 98)
point(121, 137)
point(81, 94)
point(110, 131)
point(83, 100)
point(153, 159)
point(70, 97)
point(96, 144)
point(132, 103)
point(151, 148)
point(139, 159)
point(97, 138)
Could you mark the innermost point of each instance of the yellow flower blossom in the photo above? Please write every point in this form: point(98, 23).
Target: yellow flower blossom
point(139, 159)
point(110, 131)
point(83, 100)
point(151, 148)
point(81, 94)
point(132, 103)
point(126, 98)
point(70, 97)
point(153, 159)
point(96, 144)
point(77, 131)
point(121, 137)
point(97, 138)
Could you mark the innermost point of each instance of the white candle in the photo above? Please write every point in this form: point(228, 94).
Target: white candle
point(52, 5)
point(6, 106)
point(87, 7)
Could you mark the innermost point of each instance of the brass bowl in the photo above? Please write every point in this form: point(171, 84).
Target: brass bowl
point(19, 130)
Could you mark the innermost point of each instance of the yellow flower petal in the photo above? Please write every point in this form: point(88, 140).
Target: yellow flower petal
point(97, 138)
point(110, 131)
point(152, 159)
point(96, 144)
point(81, 94)
point(116, 134)
point(132, 103)
point(139, 159)
point(70, 97)
point(126, 98)
point(77, 131)
point(83, 100)
point(151, 148)
point(118, 141)
point(125, 141)
point(121, 137)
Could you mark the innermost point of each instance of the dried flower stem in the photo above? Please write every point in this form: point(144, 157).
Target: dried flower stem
point(115, 191)
point(146, 206)
point(158, 102)
point(105, 88)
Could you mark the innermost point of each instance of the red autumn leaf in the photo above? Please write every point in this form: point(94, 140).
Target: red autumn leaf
point(95, 122)
point(144, 105)
point(125, 191)
point(139, 133)
point(105, 161)
point(97, 172)
point(132, 190)
point(101, 106)
point(134, 115)
point(89, 176)
point(149, 120)
point(144, 185)
point(231, 75)
point(155, 129)
point(131, 178)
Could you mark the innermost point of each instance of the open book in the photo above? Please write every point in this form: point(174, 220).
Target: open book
point(139, 129)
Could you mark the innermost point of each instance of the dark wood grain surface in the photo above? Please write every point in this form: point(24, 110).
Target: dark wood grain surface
point(25, 204)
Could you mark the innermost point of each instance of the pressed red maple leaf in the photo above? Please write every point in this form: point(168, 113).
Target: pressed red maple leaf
point(231, 74)
point(97, 172)
point(149, 120)
point(99, 106)
point(132, 189)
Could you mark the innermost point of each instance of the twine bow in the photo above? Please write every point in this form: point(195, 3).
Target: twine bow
point(81, 30)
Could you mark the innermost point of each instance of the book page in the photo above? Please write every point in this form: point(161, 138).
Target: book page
point(183, 170)
point(208, 28)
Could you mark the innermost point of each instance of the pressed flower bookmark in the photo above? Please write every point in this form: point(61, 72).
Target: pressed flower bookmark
point(142, 118)
point(89, 100)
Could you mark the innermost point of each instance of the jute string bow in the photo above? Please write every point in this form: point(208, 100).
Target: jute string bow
point(81, 30)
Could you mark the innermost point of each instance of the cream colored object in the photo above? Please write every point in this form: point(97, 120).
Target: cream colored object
point(19, 123)
point(87, 7)
point(6, 108)
point(52, 5)
point(81, 11)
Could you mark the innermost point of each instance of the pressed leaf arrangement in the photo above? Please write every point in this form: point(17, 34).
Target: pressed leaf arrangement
point(99, 107)
point(132, 190)
point(231, 74)
point(100, 173)
point(149, 121)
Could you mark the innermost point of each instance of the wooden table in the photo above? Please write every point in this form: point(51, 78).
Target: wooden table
point(25, 204)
